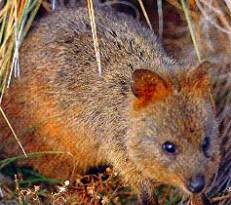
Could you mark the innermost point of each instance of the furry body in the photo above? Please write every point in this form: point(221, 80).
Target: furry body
point(60, 103)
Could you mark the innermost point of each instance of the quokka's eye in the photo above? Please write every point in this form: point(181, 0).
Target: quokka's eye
point(206, 145)
point(169, 147)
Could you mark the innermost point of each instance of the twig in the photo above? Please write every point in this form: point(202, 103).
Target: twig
point(13, 132)
point(223, 19)
point(145, 14)
point(189, 22)
point(53, 5)
point(209, 19)
point(46, 6)
point(220, 198)
point(212, 8)
point(94, 34)
point(228, 4)
point(160, 15)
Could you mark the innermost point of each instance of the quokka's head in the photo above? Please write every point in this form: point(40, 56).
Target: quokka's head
point(173, 133)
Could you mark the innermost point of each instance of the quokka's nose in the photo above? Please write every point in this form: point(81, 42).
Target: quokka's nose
point(196, 184)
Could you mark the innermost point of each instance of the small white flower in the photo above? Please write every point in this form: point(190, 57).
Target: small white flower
point(67, 183)
point(36, 188)
point(105, 200)
point(61, 189)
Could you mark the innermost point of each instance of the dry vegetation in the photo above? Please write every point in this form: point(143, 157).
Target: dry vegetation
point(200, 29)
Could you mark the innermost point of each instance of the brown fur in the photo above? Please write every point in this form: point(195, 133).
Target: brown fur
point(60, 103)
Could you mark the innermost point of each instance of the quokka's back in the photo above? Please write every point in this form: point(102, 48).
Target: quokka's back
point(152, 119)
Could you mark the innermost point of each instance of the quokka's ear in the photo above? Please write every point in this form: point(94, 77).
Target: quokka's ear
point(198, 79)
point(147, 85)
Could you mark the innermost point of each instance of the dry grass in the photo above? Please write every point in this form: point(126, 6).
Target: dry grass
point(16, 18)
